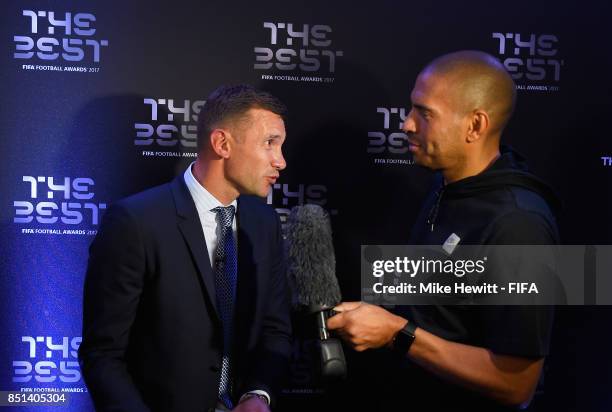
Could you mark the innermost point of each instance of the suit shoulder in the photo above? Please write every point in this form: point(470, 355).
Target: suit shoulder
point(257, 205)
point(148, 201)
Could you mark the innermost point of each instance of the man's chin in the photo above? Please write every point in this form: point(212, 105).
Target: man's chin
point(423, 161)
point(418, 160)
point(260, 192)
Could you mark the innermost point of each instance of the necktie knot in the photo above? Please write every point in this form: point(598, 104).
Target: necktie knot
point(225, 215)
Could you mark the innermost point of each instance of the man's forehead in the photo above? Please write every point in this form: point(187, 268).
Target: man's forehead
point(260, 113)
point(428, 85)
point(261, 118)
point(269, 124)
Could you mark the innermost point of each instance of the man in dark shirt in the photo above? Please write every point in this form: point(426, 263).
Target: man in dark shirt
point(473, 358)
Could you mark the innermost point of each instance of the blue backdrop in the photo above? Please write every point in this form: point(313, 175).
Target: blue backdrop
point(100, 100)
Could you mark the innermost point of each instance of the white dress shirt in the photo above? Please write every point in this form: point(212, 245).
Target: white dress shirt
point(205, 202)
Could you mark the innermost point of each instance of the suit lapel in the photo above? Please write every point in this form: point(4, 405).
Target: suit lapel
point(247, 269)
point(248, 231)
point(190, 226)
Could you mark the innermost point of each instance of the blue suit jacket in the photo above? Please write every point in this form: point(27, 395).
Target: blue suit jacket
point(151, 333)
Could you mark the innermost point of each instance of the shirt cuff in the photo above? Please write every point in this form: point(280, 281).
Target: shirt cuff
point(257, 392)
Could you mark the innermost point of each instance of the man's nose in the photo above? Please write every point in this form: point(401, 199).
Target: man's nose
point(279, 162)
point(409, 124)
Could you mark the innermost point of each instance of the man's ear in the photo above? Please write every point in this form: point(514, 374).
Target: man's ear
point(219, 141)
point(478, 126)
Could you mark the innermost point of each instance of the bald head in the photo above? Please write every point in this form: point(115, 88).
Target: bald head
point(476, 81)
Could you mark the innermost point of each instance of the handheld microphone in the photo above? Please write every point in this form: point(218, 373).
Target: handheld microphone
point(312, 274)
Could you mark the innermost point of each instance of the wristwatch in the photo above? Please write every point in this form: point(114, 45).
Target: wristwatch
point(403, 339)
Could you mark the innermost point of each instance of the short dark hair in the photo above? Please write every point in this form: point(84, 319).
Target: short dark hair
point(230, 103)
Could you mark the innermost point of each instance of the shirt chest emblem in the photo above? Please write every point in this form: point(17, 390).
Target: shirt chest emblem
point(451, 243)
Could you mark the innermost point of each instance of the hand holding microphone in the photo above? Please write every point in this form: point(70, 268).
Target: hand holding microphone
point(365, 326)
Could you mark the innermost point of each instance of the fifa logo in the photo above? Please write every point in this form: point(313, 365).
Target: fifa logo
point(69, 201)
point(179, 125)
point(306, 48)
point(49, 361)
point(531, 57)
point(68, 37)
point(391, 139)
point(284, 196)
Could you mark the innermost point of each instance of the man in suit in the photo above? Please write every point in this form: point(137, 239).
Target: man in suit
point(186, 306)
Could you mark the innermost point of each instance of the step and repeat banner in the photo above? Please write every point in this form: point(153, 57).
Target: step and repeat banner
point(100, 99)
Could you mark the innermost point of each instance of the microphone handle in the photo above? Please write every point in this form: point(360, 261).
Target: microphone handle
point(321, 324)
point(322, 316)
point(333, 363)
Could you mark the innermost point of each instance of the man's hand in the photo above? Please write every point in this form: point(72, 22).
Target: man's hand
point(510, 380)
point(365, 326)
point(252, 404)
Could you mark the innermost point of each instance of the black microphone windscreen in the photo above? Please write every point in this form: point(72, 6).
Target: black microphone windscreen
point(311, 259)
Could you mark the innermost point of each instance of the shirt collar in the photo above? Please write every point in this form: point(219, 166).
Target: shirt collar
point(200, 195)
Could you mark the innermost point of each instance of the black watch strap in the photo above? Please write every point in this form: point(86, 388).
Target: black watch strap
point(404, 338)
